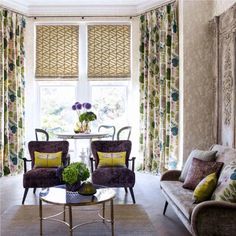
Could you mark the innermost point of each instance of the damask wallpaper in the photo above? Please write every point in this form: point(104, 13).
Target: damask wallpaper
point(197, 75)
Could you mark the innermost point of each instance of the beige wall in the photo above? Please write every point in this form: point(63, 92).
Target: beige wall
point(196, 73)
point(223, 5)
point(197, 94)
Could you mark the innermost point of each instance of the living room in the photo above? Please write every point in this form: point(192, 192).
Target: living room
point(156, 66)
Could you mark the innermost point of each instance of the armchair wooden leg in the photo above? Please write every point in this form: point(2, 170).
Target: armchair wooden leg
point(24, 196)
point(126, 190)
point(165, 207)
point(34, 190)
point(132, 194)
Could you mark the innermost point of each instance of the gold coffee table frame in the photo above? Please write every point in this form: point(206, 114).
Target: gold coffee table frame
point(59, 196)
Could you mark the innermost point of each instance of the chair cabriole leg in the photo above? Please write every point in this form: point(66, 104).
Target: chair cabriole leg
point(132, 194)
point(24, 196)
point(165, 207)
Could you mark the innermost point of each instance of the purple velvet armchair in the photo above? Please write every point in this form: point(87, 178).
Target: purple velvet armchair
point(115, 176)
point(43, 177)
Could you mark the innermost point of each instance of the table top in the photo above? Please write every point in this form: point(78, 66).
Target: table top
point(81, 135)
point(59, 196)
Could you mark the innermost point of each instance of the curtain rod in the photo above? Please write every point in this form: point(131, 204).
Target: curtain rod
point(150, 9)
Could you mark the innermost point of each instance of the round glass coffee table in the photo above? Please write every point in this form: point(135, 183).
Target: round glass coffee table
point(59, 196)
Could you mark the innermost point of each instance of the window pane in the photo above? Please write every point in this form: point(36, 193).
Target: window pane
point(109, 103)
point(55, 108)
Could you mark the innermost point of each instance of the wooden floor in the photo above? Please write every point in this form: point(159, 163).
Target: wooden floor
point(147, 193)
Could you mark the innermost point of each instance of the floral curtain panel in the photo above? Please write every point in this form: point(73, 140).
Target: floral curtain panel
point(12, 27)
point(159, 88)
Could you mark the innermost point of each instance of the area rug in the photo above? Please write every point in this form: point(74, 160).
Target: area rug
point(24, 221)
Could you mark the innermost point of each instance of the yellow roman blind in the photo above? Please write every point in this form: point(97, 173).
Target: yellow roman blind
point(108, 52)
point(57, 52)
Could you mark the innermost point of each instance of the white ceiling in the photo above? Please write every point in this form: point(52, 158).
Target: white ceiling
point(80, 2)
point(81, 7)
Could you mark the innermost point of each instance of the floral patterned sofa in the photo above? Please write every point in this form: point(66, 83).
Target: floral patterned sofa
point(206, 218)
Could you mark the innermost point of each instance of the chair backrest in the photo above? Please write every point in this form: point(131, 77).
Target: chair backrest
point(124, 132)
point(49, 147)
point(111, 146)
point(41, 131)
point(108, 128)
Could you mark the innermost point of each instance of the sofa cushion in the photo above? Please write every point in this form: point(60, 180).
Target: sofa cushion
point(111, 159)
point(199, 154)
point(181, 197)
point(224, 154)
point(199, 170)
point(47, 159)
point(226, 191)
point(205, 188)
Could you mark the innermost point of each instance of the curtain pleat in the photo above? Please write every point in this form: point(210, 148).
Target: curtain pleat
point(159, 88)
point(12, 92)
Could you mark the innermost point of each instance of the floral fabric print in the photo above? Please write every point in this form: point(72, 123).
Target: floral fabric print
point(159, 87)
point(226, 190)
point(12, 27)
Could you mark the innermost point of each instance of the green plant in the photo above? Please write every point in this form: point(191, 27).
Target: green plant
point(75, 172)
point(87, 116)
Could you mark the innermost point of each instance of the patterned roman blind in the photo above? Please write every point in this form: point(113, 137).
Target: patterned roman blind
point(57, 49)
point(108, 52)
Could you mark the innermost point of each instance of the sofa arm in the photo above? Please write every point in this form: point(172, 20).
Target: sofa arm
point(214, 218)
point(171, 175)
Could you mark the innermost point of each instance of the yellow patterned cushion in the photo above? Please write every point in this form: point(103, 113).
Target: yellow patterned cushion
point(43, 159)
point(205, 188)
point(111, 159)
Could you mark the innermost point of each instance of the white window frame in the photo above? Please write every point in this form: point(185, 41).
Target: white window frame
point(124, 84)
point(53, 84)
point(82, 85)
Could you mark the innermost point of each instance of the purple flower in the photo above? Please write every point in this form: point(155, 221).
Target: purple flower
point(74, 107)
point(78, 106)
point(87, 105)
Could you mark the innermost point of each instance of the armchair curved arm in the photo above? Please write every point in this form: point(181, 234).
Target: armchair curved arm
point(171, 175)
point(29, 160)
point(68, 159)
point(214, 218)
point(25, 163)
point(133, 162)
point(92, 161)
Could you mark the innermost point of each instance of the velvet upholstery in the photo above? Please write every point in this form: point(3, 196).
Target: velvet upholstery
point(113, 176)
point(49, 146)
point(111, 146)
point(205, 218)
point(40, 178)
point(43, 177)
point(199, 170)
